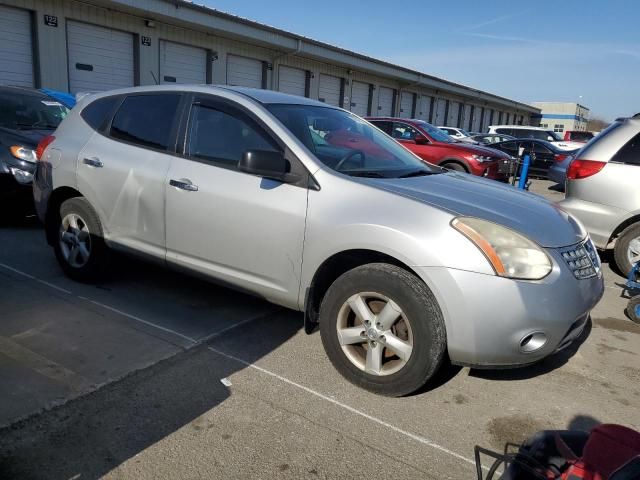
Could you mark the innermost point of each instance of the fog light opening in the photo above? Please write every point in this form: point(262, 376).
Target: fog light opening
point(532, 342)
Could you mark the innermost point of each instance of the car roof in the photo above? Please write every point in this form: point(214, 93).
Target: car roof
point(21, 90)
point(397, 119)
point(520, 127)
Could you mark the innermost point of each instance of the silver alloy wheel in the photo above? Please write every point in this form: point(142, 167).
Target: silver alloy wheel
point(374, 333)
point(75, 240)
point(633, 251)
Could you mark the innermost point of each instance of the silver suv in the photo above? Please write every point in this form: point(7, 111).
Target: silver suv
point(400, 262)
point(602, 190)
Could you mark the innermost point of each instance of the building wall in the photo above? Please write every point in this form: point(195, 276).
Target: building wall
point(171, 22)
point(563, 116)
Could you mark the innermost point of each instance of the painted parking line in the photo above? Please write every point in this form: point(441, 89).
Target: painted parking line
point(344, 406)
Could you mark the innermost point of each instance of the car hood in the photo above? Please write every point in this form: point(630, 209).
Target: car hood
point(27, 138)
point(471, 149)
point(466, 195)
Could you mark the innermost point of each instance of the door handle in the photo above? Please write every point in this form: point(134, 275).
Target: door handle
point(93, 162)
point(184, 185)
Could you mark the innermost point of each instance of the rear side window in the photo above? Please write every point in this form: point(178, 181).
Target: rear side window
point(146, 120)
point(630, 153)
point(504, 131)
point(95, 114)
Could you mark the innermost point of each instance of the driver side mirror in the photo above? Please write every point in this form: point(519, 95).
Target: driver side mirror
point(420, 139)
point(550, 138)
point(264, 163)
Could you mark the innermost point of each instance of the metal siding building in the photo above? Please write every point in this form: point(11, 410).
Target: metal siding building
point(562, 116)
point(93, 45)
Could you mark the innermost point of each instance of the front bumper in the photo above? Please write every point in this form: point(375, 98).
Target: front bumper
point(496, 170)
point(489, 317)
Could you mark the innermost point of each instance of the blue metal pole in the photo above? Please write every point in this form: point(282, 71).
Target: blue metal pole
point(522, 183)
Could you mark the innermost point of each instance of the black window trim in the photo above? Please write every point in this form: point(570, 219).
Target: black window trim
point(173, 135)
point(300, 175)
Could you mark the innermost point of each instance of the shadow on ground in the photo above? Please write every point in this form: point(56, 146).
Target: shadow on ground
point(88, 437)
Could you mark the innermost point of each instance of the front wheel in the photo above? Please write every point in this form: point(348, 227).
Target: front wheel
point(79, 244)
point(455, 166)
point(382, 329)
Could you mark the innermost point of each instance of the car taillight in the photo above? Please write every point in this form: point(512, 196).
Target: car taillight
point(584, 168)
point(559, 157)
point(42, 146)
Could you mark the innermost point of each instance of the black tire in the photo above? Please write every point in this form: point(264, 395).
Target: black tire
point(94, 268)
point(622, 245)
point(455, 166)
point(421, 311)
point(633, 309)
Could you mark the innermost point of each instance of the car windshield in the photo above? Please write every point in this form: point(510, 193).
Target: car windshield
point(434, 132)
point(29, 112)
point(581, 136)
point(348, 144)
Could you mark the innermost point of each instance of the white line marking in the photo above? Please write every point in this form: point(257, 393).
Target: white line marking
point(138, 319)
point(17, 271)
point(226, 382)
point(410, 435)
point(230, 327)
point(55, 287)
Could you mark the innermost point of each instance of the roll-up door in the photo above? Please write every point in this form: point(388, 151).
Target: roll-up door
point(385, 102)
point(406, 104)
point(16, 49)
point(465, 121)
point(182, 63)
point(477, 119)
point(360, 98)
point(292, 80)
point(424, 108)
point(452, 114)
point(508, 117)
point(244, 72)
point(441, 108)
point(485, 120)
point(99, 58)
point(329, 89)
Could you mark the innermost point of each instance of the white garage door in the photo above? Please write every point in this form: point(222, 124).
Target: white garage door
point(244, 72)
point(360, 98)
point(385, 102)
point(465, 121)
point(99, 58)
point(440, 111)
point(16, 51)
point(454, 111)
point(406, 105)
point(329, 89)
point(292, 80)
point(423, 108)
point(182, 63)
point(477, 119)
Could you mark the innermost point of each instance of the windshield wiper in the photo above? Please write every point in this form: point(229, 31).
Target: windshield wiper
point(417, 173)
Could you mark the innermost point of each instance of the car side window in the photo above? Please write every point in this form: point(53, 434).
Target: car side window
point(96, 113)
point(510, 147)
point(221, 135)
point(146, 120)
point(384, 126)
point(537, 148)
point(629, 153)
point(402, 131)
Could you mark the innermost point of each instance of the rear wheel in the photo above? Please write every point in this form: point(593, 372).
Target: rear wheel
point(382, 329)
point(79, 243)
point(627, 250)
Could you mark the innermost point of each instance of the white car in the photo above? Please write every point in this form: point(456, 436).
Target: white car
point(540, 133)
point(457, 133)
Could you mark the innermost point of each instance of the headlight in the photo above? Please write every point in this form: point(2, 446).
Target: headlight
point(509, 253)
point(21, 176)
point(23, 153)
point(482, 158)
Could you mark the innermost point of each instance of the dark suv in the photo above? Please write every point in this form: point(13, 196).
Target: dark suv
point(26, 116)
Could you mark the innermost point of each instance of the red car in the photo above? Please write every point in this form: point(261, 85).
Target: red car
point(577, 136)
point(436, 147)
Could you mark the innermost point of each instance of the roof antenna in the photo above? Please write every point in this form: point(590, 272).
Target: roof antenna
point(154, 77)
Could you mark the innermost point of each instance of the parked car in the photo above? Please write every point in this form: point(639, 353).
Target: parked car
point(538, 133)
point(401, 263)
point(64, 98)
point(558, 171)
point(438, 148)
point(602, 190)
point(26, 116)
point(457, 133)
point(490, 138)
point(543, 154)
point(579, 136)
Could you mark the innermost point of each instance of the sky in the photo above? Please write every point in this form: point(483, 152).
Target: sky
point(565, 50)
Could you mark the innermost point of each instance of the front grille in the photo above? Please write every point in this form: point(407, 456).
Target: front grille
point(582, 259)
